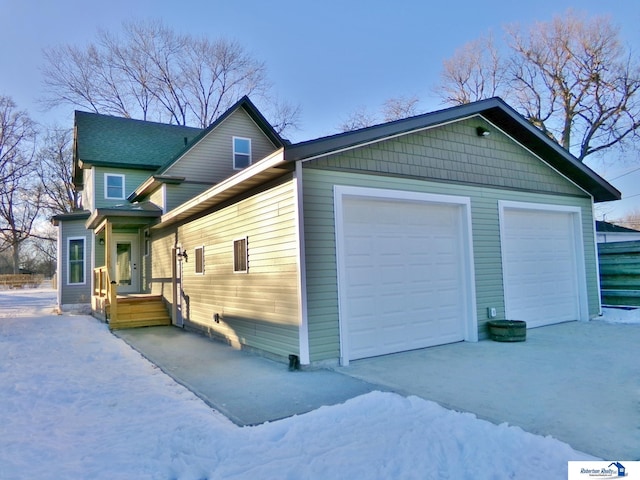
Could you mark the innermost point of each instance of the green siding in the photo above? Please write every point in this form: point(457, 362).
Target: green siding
point(522, 178)
point(178, 194)
point(132, 179)
point(259, 309)
point(74, 294)
point(157, 269)
point(454, 153)
point(211, 159)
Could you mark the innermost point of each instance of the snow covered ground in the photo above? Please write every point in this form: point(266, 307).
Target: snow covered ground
point(78, 403)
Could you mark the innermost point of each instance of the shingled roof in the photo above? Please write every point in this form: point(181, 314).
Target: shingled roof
point(126, 143)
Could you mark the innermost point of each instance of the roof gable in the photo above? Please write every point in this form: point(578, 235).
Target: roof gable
point(243, 105)
point(496, 112)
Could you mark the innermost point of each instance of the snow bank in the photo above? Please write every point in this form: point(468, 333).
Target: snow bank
point(79, 403)
point(620, 315)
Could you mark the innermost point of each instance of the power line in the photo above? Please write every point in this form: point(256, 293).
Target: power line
point(624, 174)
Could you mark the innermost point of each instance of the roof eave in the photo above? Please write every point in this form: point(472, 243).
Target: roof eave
point(265, 170)
point(494, 110)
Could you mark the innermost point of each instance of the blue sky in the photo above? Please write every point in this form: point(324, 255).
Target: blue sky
point(330, 57)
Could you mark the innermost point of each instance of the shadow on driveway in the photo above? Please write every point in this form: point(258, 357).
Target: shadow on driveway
point(247, 388)
point(578, 382)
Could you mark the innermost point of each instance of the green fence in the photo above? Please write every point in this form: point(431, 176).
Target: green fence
point(620, 273)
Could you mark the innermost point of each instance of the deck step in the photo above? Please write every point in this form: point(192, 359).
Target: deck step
point(139, 311)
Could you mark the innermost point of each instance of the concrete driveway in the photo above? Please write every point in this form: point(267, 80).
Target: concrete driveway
point(578, 382)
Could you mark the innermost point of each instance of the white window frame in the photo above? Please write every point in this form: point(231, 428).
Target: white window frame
point(84, 260)
point(246, 255)
point(235, 167)
point(195, 262)
point(106, 186)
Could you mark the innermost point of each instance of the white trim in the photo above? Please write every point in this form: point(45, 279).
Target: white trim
point(537, 156)
point(233, 149)
point(106, 189)
point(163, 196)
point(84, 260)
point(581, 278)
point(303, 331)
point(341, 191)
point(597, 260)
point(59, 266)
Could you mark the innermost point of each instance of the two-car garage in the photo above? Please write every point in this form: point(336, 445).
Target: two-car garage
point(406, 275)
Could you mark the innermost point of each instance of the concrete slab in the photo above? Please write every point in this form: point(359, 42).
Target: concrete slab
point(578, 382)
point(246, 388)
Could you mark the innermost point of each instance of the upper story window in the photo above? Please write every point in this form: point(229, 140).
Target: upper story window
point(113, 186)
point(241, 152)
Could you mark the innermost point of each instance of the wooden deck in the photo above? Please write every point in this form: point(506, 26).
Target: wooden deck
point(139, 311)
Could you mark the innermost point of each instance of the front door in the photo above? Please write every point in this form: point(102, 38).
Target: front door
point(126, 258)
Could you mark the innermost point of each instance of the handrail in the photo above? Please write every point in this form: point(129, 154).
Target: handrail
point(103, 287)
point(100, 282)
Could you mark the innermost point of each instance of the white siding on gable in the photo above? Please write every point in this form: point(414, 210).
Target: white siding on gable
point(211, 160)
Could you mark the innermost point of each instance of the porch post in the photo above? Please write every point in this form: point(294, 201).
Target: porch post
point(112, 287)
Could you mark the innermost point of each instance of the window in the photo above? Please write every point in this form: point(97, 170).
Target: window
point(241, 152)
point(75, 265)
point(113, 186)
point(200, 260)
point(240, 256)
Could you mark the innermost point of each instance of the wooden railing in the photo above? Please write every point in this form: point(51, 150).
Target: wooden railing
point(100, 282)
point(21, 281)
point(104, 287)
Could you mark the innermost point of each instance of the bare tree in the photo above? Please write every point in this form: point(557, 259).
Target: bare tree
point(359, 118)
point(19, 196)
point(151, 72)
point(20, 206)
point(17, 137)
point(400, 107)
point(571, 77)
point(54, 168)
point(474, 72)
point(393, 109)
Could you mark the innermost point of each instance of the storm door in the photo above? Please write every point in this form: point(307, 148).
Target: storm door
point(125, 255)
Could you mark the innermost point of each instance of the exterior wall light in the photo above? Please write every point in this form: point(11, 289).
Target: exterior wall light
point(482, 132)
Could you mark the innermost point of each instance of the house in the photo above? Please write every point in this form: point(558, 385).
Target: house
point(395, 237)
point(607, 232)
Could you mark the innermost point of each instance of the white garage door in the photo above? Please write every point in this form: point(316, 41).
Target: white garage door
point(403, 281)
point(540, 266)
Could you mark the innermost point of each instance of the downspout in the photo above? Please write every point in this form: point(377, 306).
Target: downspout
point(302, 266)
point(597, 256)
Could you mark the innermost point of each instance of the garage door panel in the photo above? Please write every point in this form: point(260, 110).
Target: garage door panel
point(412, 295)
point(540, 266)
